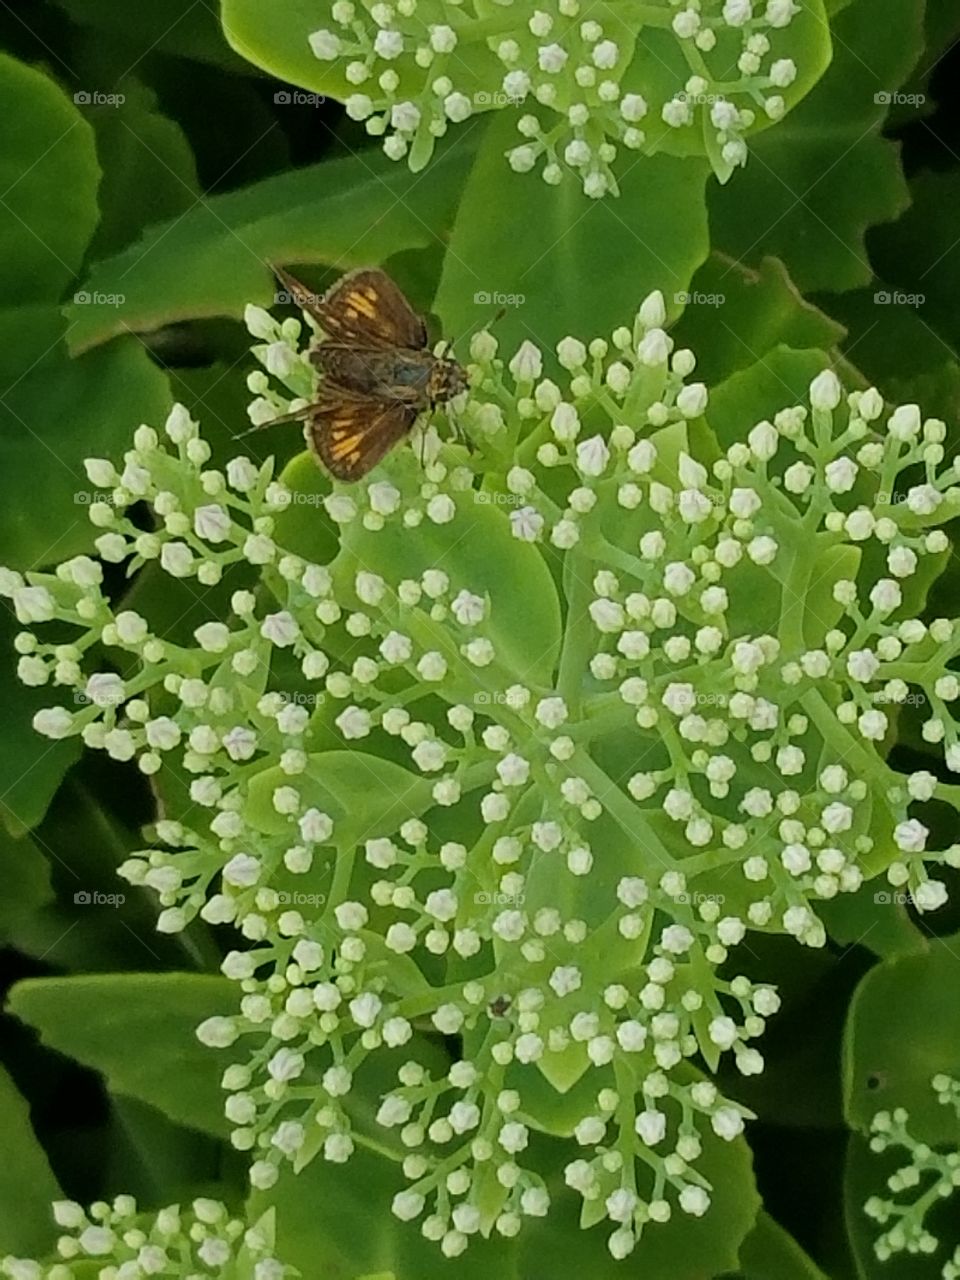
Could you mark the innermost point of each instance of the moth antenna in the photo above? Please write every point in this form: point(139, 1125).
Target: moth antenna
point(298, 416)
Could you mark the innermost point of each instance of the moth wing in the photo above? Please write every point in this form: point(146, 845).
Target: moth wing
point(365, 308)
point(351, 433)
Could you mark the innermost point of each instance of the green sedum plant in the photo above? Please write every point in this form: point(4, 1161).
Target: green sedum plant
point(687, 79)
point(500, 755)
point(928, 1177)
point(125, 1244)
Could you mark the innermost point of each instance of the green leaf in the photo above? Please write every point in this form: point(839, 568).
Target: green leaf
point(684, 1248)
point(149, 173)
point(363, 795)
point(58, 412)
point(569, 264)
point(25, 876)
point(212, 260)
point(782, 378)
point(49, 175)
point(872, 918)
point(183, 27)
point(814, 184)
point(770, 1251)
point(891, 338)
point(919, 256)
point(27, 1183)
point(484, 557)
point(864, 1176)
point(31, 767)
point(735, 315)
point(138, 1029)
point(326, 1228)
point(277, 39)
point(903, 1028)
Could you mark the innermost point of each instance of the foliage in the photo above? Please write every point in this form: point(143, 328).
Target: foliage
point(552, 837)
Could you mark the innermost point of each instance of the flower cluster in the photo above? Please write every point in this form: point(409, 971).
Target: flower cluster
point(118, 1242)
point(929, 1178)
point(439, 808)
point(598, 84)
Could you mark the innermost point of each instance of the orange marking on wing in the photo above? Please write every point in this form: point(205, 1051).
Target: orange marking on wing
point(344, 444)
point(364, 302)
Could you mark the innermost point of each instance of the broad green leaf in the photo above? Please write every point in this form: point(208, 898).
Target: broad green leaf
point(814, 184)
point(138, 1030)
point(896, 343)
point(479, 553)
point(278, 40)
point(821, 612)
point(31, 767)
point(903, 1028)
point(685, 1248)
point(48, 176)
point(58, 412)
point(149, 173)
point(865, 1175)
point(334, 1221)
point(872, 918)
point(27, 1183)
point(25, 877)
point(734, 315)
point(183, 27)
point(160, 1162)
point(770, 1251)
point(782, 378)
point(214, 259)
point(919, 257)
point(567, 264)
point(661, 68)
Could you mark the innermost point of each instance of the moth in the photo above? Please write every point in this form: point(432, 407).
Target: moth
point(378, 372)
